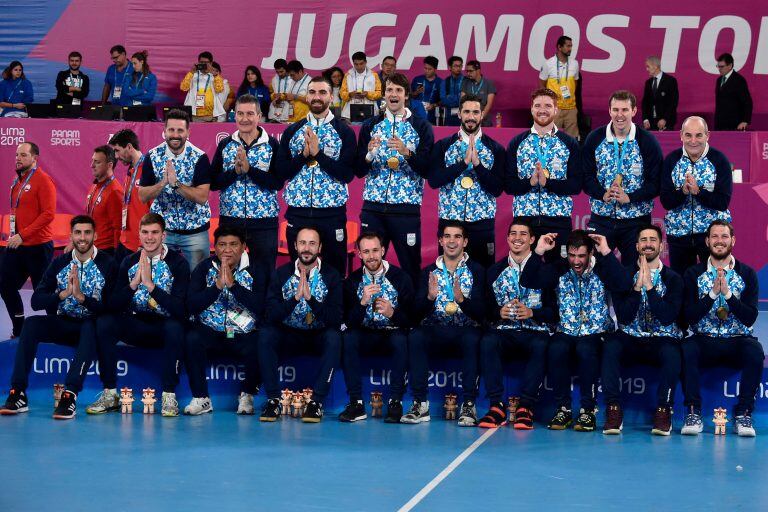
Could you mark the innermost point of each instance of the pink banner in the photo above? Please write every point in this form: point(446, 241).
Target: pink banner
point(510, 39)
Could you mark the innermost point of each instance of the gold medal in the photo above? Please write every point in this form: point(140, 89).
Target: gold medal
point(152, 303)
point(722, 313)
point(393, 163)
point(312, 163)
point(545, 172)
point(618, 180)
point(309, 318)
point(467, 182)
point(451, 308)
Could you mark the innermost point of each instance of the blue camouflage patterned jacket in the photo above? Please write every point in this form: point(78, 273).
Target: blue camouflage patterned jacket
point(692, 214)
point(396, 287)
point(252, 195)
point(471, 312)
point(451, 174)
point(651, 313)
point(562, 159)
point(637, 160)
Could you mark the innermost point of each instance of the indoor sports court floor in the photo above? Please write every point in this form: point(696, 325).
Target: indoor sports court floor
point(227, 462)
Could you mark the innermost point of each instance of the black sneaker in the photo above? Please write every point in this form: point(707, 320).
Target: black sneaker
point(313, 412)
point(354, 411)
point(614, 420)
point(15, 403)
point(67, 406)
point(394, 411)
point(523, 419)
point(662, 421)
point(494, 418)
point(561, 420)
point(271, 410)
point(586, 421)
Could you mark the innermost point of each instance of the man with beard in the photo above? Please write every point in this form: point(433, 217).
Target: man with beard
point(449, 309)
point(377, 300)
point(560, 73)
point(648, 333)
point(583, 283)
point(127, 150)
point(622, 174)
point(521, 319)
point(73, 292)
point(696, 186)
point(149, 307)
point(72, 85)
point(450, 92)
point(29, 246)
point(316, 158)
point(226, 297)
point(544, 172)
point(244, 170)
point(721, 307)
point(304, 313)
point(104, 200)
point(176, 177)
point(393, 154)
point(468, 169)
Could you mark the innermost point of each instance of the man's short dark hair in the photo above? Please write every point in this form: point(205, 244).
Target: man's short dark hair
point(311, 227)
point(294, 66)
point(474, 63)
point(453, 59)
point(125, 137)
point(322, 78)
point(562, 40)
point(654, 227)
point(726, 57)
point(75, 54)
point(368, 235)
point(521, 222)
point(247, 99)
point(177, 113)
point(108, 152)
point(720, 222)
point(469, 97)
point(152, 218)
point(117, 48)
point(401, 80)
point(34, 149)
point(580, 238)
point(229, 230)
point(280, 64)
point(544, 91)
point(452, 224)
point(431, 61)
point(389, 57)
point(81, 219)
point(205, 55)
point(623, 95)
point(359, 56)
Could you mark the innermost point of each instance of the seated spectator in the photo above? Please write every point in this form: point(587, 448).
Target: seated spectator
point(202, 89)
point(72, 85)
point(15, 91)
point(297, 94)
point(426, 87)
point(336, 76)
point(280, 110)
point(361, 86)
point(140, 85)
point(253, 84)
point(227, 96)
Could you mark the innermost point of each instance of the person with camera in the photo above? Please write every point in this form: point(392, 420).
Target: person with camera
point(202, 89)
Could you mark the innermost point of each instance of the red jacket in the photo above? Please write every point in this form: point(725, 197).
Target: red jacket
point(106, 208)
point(37, 207)
point(129, 237)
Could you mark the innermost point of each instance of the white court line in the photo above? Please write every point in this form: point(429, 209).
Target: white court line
point(447, 471)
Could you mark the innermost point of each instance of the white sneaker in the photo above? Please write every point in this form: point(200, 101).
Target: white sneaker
point(743, 426)
point(418, 413)
point(198, 406)
point(170, 405)
point(693, 425)
point(107, 401)
point(468, 415)
point(245, 403)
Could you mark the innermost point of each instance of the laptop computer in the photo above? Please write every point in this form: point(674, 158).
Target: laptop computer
point(186, 108)
point(139, 113)
point(40, 110)
point(360, 112)
point(67, 111)
point(103, 112)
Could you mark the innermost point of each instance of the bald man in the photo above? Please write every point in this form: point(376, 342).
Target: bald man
point(696, 186)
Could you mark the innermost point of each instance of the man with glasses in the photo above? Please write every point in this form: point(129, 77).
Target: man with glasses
point(113, 79)
point(733, 103)
point(477, 85)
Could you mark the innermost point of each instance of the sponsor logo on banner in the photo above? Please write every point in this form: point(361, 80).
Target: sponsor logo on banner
point(11, 135)
point(60, 366)
point(220, 137)
point(765, 150)
point(65, 138)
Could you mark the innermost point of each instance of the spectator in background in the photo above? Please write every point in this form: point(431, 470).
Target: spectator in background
point(72, 85)
point(426, 87)
point(733, 103)
point(560, 73)
point(253, 84)
point(139, 86)
point(280, 110)
point(450, 92)
point(388, 68)
point(660, 98)
point(113, 79)
point(297, 95)
point(104, 202)
point(360, 86)
point(225, 97)
point(477, 85)
point(15, 91)
point(335, 75)
point(202, 89)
